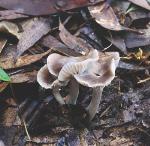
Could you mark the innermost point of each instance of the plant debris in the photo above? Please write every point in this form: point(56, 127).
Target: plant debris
point(56, 37)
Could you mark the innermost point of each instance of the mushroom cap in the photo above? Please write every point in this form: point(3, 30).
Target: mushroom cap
point(101, 71)
point(55, 61)
point(92, 72)
point(44, 78)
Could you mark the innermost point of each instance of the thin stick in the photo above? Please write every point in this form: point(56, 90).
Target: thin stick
point(142, 81)
point(26, 130)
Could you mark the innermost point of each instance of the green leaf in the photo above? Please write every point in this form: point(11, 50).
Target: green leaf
point(4, 76)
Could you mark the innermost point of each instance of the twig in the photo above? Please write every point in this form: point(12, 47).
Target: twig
point(142, 130)
point(105, 111)
point(144, 80)
point(110, 43)
point(26, 130)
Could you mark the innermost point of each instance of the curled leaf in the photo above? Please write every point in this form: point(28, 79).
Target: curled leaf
point(51, 42)
point(75, 43)
point(105, 16)
point(9, 27)
point(7, 60)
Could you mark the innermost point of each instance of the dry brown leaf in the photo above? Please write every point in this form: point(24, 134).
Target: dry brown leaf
point(141, 3)
point(121, 141)
point(136, 40)
point(42, 7)
point(118, 41)
point(33, 31)
point(3, 42)
point(24, 77)
point(7, 60)
point(75, 43)
point(10, 14)
point(51, 42)
point(105, 16)
point(9, 27)
point(3, 85)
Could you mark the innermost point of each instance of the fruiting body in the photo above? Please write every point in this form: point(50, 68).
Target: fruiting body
point(95, 70)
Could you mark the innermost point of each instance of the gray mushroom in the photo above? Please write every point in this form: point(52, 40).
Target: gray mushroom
point(95, 72)
point(48, 73)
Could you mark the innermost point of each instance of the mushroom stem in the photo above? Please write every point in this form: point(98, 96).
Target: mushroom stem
point(73, 92)
point(95, 101)
point(55, 88)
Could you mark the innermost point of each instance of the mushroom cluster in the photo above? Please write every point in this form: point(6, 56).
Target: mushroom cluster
point(95, 70)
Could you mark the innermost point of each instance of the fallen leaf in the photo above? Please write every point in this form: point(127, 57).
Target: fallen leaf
point(33, 31)
point(89, 34)
point(3, 42)
point(141, 3)
point(9, 116)
point(7, 60)
point(11, 15)
point(51, 42)
point(3, 85)
point(105, 16)
point(4, 76)
point(9, 27)
point(129, 66)
point(24, 77)
point(121, 141)
point(75, 43)
point(139, 14)
point(118, 41)
point(40, 7)
point(120, 8)
point(136, 40)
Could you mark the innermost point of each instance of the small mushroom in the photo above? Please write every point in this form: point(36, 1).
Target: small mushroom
point(55, 61)
point(48, 73)
point(93, 72)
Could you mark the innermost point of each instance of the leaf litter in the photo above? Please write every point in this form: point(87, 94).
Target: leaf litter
point(27, 40)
